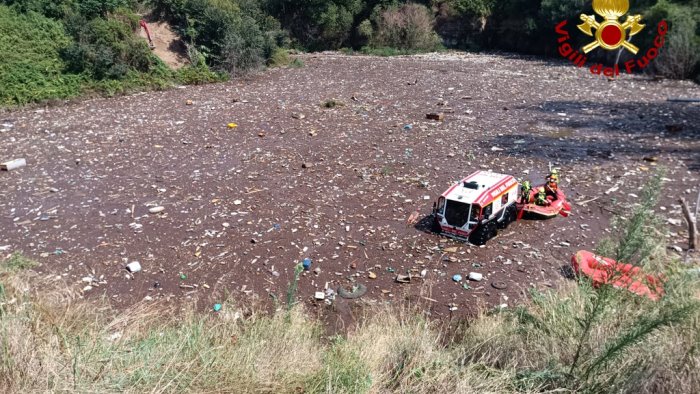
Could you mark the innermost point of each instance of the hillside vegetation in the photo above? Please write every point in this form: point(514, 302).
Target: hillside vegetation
point(56, 50)
point(60, 49)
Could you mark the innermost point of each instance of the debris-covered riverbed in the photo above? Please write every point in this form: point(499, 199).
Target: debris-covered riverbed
point(329, 162)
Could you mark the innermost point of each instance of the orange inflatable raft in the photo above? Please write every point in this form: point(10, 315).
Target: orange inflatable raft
point(603, 270)
point(559, 206)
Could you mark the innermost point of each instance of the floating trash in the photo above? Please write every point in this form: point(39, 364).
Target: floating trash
point(475, 276)
point(133, 267)
point(13, 164)
point(306, 263)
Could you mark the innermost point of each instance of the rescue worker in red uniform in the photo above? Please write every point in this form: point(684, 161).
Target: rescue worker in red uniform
point(551, 186)
point(548, 193)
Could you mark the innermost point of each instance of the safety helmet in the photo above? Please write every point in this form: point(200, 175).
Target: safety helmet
point(554, 174)
point(526, 185)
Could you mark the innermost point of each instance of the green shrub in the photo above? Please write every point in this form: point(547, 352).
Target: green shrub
point(297, 63)
point(555, 11)
point(407, 27)
point(475, 8)
point(365, 29)
point(30, 66)
point(58, 9)
point(244, 48)
point(198, 75)
point(94, 8)
point(93, 46)
point(233, 36)
point(52, 9)
point(317, 24)
point(17, 262)
point(336, 21)
point(106, 48)
point(279, 58)
point(680, 56)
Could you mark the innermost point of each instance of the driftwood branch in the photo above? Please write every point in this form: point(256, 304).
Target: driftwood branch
point(692, 226)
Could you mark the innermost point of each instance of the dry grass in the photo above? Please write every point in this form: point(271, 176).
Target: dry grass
point(53, 341)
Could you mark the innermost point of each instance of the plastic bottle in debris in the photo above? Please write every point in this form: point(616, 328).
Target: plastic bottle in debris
point(307, 264)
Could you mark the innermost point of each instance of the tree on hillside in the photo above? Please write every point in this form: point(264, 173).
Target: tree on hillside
point(317, 24)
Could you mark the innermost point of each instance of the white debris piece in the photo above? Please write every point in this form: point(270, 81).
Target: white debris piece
point(13, 164)
point(475, 276)
point(675, 222)
point(134, 266)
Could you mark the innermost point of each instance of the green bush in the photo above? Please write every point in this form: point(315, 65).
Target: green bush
point(318, 24)
point(336, 21)
point(191, 75)
point(106, 48)
point(95, 8)
point(469, 7)
point(297, 63)
point(58, 9)
point(555, 11)
point(279, 58)
point(82, 46)
point(233, 36)
point(17, 262)
point(407, 27)
point(52, 9)
point(680, 55)
point(365, 29)
point(244, 48)
point(31, 68)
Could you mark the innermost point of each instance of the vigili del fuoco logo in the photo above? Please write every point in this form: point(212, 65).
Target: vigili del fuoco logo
point(610, 35)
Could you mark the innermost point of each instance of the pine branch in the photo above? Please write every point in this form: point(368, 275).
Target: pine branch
point(637, 333)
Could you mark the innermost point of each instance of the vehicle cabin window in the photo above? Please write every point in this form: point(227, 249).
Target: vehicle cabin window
point(476, 210)
point(488, 210)
point(441, 205)
point(456, 213)
point(504, 199)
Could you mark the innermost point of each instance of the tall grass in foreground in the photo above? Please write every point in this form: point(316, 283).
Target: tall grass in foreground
point(574, 339)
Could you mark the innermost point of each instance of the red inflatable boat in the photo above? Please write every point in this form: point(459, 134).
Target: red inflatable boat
point(559, 206)
point(623, 276)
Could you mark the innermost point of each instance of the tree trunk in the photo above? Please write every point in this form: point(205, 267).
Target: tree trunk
point(692, 226)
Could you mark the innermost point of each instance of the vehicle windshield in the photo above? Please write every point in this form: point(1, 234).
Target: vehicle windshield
point(458, 213)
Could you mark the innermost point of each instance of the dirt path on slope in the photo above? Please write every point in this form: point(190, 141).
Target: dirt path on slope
point(168, 45)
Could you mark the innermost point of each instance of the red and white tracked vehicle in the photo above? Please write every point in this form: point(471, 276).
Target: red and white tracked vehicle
point(476, 207)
